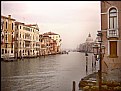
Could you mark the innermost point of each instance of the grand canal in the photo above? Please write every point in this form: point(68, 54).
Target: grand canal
point(50, 73)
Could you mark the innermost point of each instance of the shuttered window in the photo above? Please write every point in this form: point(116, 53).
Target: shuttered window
point(113, 49)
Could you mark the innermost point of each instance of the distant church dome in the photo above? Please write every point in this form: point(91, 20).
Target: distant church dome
point(89, 39)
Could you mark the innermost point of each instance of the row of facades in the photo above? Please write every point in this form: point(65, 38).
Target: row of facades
point(20, 40)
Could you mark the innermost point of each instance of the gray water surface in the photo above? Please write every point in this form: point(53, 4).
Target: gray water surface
point(52, 73)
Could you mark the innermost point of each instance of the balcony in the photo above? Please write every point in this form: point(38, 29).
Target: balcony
point(27, 39)
point(112, 33)
point(27, 46)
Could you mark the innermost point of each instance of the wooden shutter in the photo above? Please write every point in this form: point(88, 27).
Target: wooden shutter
point(113, 48)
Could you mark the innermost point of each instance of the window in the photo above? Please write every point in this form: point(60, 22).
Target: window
point(23, 35)
point(20, 44)
point(23, 44)
point(6, 25)
point(11, 45)
point(20, 27)
point(11, 51)
point(5, 51)
point(17, 26)
point(5, 45)
point(112, 18)
point(20, 35)
point(33, 51)
point(113, 49)
point(16, 35)
point(6, 37)
point(2, 51)
point(12, 26)
point(12, 37)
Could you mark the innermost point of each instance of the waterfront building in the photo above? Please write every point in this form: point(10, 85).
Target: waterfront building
point(27, 40)
point(87, 46)
point(7, 36)
point(35, 44)
point(48, 45)
point(45, 46)
point(111, 30)
point(55, 37)
point(19, 40)
point(53, 46)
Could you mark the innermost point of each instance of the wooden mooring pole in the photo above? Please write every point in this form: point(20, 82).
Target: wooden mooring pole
point(74, 86)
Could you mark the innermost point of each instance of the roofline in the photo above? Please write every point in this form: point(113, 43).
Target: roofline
point(19, 22)
point(50, 34)
point(8, 18)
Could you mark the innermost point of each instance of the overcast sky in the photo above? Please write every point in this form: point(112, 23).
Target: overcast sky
point(73, 20)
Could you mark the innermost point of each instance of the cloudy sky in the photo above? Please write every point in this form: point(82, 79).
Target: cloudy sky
point(73, 20)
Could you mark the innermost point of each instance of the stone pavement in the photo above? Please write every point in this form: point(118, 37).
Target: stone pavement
point(110, 81)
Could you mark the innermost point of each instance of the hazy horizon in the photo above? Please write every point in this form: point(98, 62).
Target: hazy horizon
point(73, 20)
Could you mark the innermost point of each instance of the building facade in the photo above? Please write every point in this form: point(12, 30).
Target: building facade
point(35, 44)
point(87, 46)
point(27, 40)
point(48, 45)
point(55, 37)
point(7, 36)
point(20, 40)
point(111, 31)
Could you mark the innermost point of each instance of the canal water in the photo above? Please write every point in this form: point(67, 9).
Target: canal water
point(50, 73)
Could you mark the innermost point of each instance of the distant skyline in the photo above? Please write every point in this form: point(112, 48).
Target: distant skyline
point(73, 20)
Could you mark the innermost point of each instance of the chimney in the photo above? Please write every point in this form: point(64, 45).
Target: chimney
point(9, 16)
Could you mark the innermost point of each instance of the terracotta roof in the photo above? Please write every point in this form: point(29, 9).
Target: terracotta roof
point(45, 36)
point(18, 22)
point(50, 33)
point(31, 25)
point(40, 34)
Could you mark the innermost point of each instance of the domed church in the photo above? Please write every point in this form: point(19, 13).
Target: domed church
point(89, 39)
point(87, 46)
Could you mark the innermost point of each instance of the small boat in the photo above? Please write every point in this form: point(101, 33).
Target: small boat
point(9, 59)
point(64, 52)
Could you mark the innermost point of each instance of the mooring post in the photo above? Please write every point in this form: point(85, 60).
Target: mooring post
point(92, 64)
point(95, 65)
point(74, 86)
point(86, 65)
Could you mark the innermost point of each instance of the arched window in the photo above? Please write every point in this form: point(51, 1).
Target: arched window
point(12, 26)
point(6, 25)
point(20, 44)
point(112, 18)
